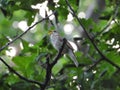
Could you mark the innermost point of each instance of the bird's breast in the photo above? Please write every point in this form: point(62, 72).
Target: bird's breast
point(56, 41)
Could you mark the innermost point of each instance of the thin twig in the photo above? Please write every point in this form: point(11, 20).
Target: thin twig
point(20, 76)
point(89, 37)
point(19, 36)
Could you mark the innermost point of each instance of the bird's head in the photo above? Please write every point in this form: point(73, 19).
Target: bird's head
point(51, 32)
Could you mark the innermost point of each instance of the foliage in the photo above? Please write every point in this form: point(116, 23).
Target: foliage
point(33, 57)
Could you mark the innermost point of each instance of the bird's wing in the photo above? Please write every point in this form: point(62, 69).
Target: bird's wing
point(73, 57)
point(69, 46)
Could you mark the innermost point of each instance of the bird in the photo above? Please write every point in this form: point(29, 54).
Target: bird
point(57, 42)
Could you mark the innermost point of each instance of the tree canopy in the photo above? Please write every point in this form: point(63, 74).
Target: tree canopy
point(28, 61)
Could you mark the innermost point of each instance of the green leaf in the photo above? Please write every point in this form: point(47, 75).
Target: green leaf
point(114, 56)
point(12, 79)
point(62, 13)
point(74, 4)
point(24, 64)
point(59, 65)
point(87, 23)
point(23, 86)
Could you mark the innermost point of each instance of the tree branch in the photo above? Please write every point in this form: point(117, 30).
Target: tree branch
point(89, 37)
point(50, 66)
point(59, 53)
point(20, 76)
point(19, 36)
point(48, 73)
point(48, 69)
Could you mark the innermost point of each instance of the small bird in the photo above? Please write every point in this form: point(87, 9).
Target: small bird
point(57, 41)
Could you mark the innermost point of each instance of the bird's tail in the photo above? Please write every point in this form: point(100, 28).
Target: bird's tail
point(72, 56)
